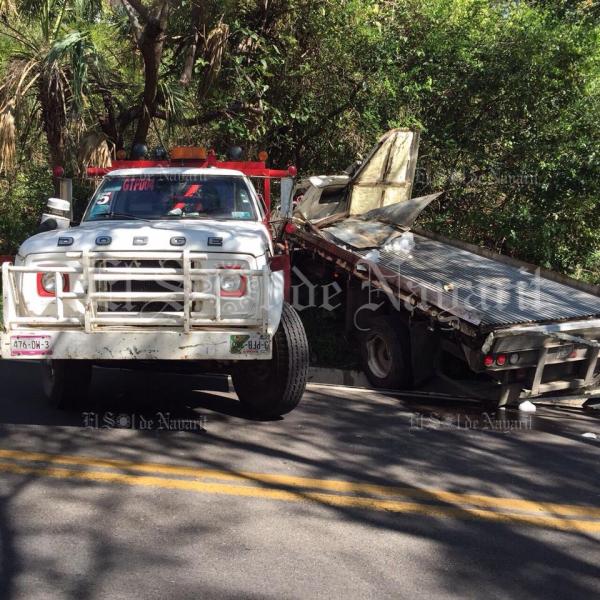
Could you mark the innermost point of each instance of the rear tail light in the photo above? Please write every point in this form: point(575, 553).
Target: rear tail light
point(500, 360)
point(46, 284)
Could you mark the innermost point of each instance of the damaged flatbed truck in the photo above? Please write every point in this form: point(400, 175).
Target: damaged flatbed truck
point(424, 308)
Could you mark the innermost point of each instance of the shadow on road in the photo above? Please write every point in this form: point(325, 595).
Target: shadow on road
point(357, 436)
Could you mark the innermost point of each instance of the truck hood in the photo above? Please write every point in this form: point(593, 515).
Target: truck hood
point(236, 237)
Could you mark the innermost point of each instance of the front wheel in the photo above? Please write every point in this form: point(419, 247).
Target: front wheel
point(66, 382)
point(271, 388)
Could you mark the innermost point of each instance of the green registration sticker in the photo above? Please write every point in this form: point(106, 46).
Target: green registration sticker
point(252, 343)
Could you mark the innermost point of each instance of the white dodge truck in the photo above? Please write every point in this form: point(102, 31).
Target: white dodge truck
point(169, 263)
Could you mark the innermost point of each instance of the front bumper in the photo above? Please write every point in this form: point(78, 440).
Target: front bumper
point(138, 345)
point(196, 321)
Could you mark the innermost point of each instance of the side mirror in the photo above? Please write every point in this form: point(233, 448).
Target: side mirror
point(57, 215)
point(47, 225)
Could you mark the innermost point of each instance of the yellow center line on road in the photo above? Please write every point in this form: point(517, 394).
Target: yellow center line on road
point(273, 479)
point(294, 481)
point(303, 496)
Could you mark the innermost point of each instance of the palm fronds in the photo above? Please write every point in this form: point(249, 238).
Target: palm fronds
point(19, 77)
point(87, 9)
point(8, 137)
point(216, 42)
point(7, 7)
point(21, 74)
point(94, 149)
point(171, 98)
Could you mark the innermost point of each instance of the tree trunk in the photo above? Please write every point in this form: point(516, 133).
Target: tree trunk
point(54, 117)
point(151, 46)
point(197, 21)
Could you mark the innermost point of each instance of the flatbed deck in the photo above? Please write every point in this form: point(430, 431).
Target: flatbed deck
point(494, 293)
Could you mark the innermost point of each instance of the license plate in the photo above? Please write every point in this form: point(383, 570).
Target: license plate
point(30, 345)
point(561, 352)
point(253, 343)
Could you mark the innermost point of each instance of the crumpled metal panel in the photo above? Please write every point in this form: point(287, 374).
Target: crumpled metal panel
point(403, 214)
point(380, 225)
point(359, 233)
point(387, 174)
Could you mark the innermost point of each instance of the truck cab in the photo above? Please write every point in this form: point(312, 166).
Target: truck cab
point(171, 262)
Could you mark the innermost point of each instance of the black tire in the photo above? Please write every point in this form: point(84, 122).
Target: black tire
point(385, 353)
point(271, 388)
point(66, 382)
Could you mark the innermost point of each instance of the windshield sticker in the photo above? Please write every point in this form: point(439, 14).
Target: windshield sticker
point(193, 189)
point(104, 199)
point(138, 185)
point(240, 215)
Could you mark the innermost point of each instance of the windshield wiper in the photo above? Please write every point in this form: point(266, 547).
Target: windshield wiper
point(120, 215)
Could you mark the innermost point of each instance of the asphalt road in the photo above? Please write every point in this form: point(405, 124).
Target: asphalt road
point(160, 490)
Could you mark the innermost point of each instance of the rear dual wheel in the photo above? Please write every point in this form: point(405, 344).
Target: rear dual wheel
point(385, 353)
point(66, 382)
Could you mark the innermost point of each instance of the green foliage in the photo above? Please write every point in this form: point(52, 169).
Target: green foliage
point(506, 95)
point(21, 204)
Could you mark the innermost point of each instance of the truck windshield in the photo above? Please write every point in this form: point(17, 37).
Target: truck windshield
point(157, 197)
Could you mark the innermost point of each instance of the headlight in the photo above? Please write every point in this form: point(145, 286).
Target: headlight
point(49, 282)
point(46, 284)
point(239, 293)
point(233, 285)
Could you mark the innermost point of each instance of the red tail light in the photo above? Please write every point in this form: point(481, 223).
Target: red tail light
point(488, 361)
point(501, 360)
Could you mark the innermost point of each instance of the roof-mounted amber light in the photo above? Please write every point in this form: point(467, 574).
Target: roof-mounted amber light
point(188, 153)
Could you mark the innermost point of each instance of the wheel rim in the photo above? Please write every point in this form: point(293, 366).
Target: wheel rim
point(379, 358)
